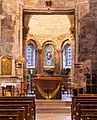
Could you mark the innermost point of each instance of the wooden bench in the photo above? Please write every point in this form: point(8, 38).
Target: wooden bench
point(81, 100)
point(28, 101)
point(16, 106)
point(23, 99)
point(9, 117)
point(87, 114)
point(30, 110)
point(19, 112)
point(86, 111)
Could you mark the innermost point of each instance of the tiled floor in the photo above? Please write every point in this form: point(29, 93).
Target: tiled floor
point(55, 116)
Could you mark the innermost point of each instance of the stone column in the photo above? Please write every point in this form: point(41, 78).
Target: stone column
point(1, 18)
point(38, 62)
point(20, 30)
point(76, 35)
point(73, 45)
point(57, 62)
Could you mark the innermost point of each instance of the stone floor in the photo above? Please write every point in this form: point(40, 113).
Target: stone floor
point(53, 116)
point(56, 116)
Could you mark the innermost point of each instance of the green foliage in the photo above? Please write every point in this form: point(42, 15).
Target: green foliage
point(65, 71)
point(27, 75)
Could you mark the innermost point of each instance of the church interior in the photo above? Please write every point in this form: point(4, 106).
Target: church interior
point(48, 53)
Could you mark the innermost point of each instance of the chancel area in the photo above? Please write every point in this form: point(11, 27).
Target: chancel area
point(48, 53)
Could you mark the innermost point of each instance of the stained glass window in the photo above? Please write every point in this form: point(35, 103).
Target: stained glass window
point(30, 56)
point(67, 56)
point(49, 56)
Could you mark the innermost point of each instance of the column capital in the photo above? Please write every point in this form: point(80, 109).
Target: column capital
point(59, 50)
point(39, 50)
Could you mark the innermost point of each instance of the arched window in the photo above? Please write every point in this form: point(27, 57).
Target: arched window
point(49, 56)
point(30, 56)
point(6, 66)
point(67, 56)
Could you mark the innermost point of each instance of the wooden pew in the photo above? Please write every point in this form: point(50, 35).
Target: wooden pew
point(30, 101)
point(19, 112)
point(9, 117)
point(86, 111)
point(16, 106)
point(82, 100)
point(29, 114)
point(87, 114)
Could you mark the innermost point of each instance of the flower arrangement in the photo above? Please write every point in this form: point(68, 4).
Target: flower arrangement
point(50, 71)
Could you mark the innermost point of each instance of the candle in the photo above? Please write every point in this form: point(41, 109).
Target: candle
point(31, 71)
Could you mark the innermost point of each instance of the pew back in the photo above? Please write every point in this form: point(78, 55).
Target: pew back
point(28, 103)
point(86, 100)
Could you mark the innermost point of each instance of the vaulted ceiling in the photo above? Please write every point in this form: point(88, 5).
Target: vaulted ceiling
point(49, 25)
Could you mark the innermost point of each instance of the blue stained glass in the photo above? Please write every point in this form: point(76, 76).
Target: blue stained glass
point(30, 56)
point(67, 56)
point(29, 50)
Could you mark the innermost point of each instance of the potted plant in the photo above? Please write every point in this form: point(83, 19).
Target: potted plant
point(28, 75)
point(65, 71)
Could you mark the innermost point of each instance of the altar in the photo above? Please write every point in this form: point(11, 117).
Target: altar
point(8, 89)
point(48, 87)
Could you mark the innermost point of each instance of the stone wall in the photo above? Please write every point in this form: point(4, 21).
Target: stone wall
point(86, 38)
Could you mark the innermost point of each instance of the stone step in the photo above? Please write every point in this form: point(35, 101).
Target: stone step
point(65, 110)
point(54, 106)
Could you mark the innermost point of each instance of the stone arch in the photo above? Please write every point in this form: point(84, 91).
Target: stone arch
point(65, 42)
point(32, 42)
point(49, 42)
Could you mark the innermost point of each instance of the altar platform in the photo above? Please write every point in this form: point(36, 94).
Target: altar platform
point(54, 109)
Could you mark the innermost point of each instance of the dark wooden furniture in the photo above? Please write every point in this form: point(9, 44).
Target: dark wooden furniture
point(86, 111)
point(82, 102)
point(10, 111)
point(91, 83)
point(9, 117)
point(26, 104)
point(8, 89)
